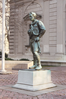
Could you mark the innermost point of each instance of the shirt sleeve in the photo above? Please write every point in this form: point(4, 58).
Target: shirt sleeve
point(42, 28)
point(41, 25)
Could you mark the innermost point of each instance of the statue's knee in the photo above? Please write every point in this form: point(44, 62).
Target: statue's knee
point(35, 53)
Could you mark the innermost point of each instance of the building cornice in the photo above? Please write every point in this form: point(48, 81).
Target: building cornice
point(47, 0)
point(24, 1)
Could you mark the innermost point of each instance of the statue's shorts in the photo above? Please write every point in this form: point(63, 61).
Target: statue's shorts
point(35, 46)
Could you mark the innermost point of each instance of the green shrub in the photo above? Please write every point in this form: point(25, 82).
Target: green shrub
point(23, 59)
point(6, 55)
point(0, 53)
point(8, 59)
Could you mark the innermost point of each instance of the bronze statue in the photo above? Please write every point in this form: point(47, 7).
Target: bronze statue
point(36, 31)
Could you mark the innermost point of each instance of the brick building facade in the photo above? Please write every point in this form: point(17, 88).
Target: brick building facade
point(53, 43)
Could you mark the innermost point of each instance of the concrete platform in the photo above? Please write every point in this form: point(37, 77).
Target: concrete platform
point(17, 65)
point(59, 92)
point(36, 93)
point(5, 72)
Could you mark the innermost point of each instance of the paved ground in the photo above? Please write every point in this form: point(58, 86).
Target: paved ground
point(58, 77)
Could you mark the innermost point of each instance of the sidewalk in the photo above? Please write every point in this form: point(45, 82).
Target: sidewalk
point(58, 75)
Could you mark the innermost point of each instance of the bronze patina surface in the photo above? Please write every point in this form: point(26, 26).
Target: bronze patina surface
point(36, 31)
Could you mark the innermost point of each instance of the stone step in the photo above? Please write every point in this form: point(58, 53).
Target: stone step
point(17, 65)
point(53, 63)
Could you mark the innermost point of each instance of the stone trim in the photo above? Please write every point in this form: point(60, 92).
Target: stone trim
point(24, 1)
point(47, 0)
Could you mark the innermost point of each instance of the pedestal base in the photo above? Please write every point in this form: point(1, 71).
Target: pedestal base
point(34, 80)
point(4, 72)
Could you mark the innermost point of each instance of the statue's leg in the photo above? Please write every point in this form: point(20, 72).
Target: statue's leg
point(36, 55)
point(39, 50)
point(35, 60)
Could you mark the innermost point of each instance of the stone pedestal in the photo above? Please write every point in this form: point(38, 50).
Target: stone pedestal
point(34, 80)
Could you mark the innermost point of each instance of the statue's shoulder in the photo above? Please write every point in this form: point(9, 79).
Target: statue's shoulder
point(35, 22)
point(39, 22)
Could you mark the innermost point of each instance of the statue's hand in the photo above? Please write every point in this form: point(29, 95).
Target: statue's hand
point(30, 31)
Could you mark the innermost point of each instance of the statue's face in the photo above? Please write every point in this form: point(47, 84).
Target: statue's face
point(31, 17)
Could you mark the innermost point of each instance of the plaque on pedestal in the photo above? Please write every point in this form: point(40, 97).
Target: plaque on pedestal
point(34, 80)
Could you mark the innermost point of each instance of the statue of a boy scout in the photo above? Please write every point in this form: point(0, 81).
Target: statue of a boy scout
point(36, 31)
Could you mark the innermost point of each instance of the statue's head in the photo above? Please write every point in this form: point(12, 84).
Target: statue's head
point(32, 16)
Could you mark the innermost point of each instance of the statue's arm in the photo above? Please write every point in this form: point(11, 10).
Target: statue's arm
point(42, 29)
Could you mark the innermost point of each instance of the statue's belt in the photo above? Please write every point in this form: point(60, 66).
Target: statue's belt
point(34, 36)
